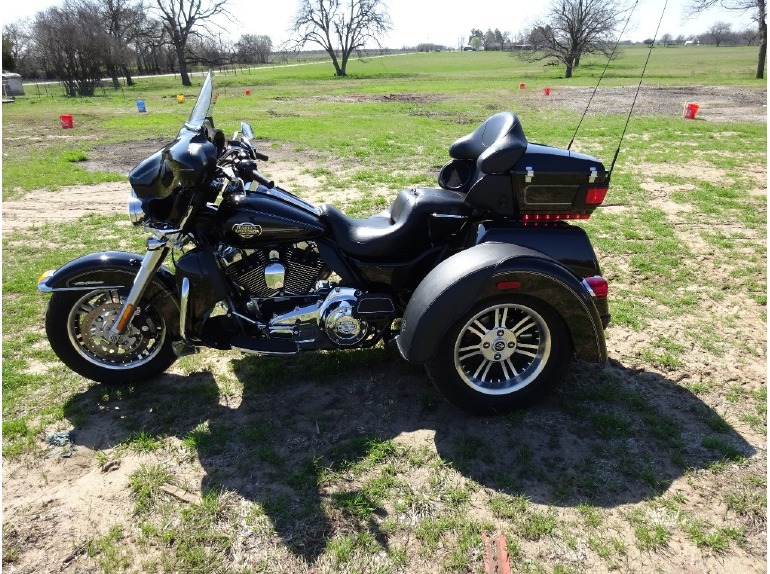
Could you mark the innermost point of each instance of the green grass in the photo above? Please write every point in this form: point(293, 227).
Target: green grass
point(350, 461)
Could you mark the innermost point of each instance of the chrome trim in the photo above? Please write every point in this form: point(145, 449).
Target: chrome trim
point(447, 216)
point(589, 289)
point(135, 212)
point(152, 260)
point(184, 297)
point(47, 289)
point(265, 353)
point(42, 283)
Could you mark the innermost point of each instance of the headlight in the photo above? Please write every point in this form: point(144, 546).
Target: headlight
point(135, 211)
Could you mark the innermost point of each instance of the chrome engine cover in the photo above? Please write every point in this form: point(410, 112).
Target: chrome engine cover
point(337, 319)
point(326, 323)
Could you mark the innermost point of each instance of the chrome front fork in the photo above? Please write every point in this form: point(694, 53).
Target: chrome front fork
point(157, 249)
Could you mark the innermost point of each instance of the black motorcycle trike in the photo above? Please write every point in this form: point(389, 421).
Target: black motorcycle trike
point(484, 280)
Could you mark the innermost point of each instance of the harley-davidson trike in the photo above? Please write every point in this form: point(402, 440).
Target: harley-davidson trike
point(484, 280)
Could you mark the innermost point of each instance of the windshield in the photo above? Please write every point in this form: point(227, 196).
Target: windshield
point(205, 101)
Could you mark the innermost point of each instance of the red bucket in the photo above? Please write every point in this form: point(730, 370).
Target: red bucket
point(547, 91)
point(248, 92)
point(66, 121)
point(522, 86)
point(690, 111)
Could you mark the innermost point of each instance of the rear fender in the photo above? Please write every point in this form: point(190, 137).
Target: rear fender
point(492, 270)
point(113, 270)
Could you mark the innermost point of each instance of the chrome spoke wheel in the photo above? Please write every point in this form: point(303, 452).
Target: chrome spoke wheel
point(502, 349)
point(89, 324)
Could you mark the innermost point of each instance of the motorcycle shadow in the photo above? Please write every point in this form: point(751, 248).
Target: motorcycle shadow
point(308, 433)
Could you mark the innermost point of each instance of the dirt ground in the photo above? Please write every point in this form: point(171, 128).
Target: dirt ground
point(50, 505)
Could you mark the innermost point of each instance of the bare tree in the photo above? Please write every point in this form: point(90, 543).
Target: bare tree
point(71, 44)
point(718, 33)
point(574, 28)
point(181, 19)
point(122, 20)
point(17, 41)
point(340, 27)
point(759, 9)
point(253, 49)
point(666, 39)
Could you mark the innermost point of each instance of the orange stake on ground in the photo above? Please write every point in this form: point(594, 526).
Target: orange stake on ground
point(496, 555)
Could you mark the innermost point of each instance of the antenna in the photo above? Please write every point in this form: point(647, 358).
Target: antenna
point(639, 87)
point(591, 99)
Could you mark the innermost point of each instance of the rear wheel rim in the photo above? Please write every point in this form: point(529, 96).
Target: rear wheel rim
point(502, 349)
point(91, 319)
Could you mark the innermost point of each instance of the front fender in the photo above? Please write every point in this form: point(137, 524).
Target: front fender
point(112, 270)
point(490, 270)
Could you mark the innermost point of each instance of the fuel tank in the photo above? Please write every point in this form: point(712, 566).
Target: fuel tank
point(254, 219)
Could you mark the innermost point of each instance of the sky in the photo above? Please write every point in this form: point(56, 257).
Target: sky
point(441, 21)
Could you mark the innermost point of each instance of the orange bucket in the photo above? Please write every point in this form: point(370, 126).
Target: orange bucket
point(66, 121)
point(522, 86)
point(690, 110)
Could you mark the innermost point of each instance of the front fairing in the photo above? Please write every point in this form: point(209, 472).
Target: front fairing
point(184, 163)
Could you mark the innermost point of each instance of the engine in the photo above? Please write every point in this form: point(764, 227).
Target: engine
point(286, 290)
point(277, 271)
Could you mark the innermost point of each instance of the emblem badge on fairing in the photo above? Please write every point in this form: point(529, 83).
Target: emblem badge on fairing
point(247, 230)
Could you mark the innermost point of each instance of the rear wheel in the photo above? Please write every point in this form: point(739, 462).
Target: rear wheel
point(502, 355)
point(78, 324)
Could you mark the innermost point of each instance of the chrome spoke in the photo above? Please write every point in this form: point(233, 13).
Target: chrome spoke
point(525, 353)
point(519, 329)
point(473, 353)
point(513, 368)
point(481, 330)
point(528, 346)
point(484, 363)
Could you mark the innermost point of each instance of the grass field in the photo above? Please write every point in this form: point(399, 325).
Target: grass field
point(350, 462)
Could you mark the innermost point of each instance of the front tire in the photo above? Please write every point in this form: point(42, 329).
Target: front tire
point(77, 323)
point(501, 355)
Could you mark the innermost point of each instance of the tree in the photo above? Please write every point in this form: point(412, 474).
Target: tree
point(574, 28)
point(340, 27)
point(71, 45)
point(666, 39)
point(718, 33)
point(253, 49)
point(17, 39)
point(759, 7)
point(489, 40)
point(122, 20)
point(181, 19)
point(9, 62)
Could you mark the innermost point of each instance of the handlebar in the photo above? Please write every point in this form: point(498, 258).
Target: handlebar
point(247, 169)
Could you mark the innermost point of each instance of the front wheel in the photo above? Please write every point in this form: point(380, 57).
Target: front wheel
point(77, 325)
point(502, 355)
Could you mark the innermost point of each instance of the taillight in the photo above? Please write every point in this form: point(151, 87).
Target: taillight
point(595, 195)
point(597, 285)
point(553, 216)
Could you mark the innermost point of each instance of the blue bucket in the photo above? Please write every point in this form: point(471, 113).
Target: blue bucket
point(140, 106)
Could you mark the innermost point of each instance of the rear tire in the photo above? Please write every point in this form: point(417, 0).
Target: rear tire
point(503, 354)
point(76, 323)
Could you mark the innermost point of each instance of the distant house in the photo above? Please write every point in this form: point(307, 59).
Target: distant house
point(692, 42)
point(12, 85)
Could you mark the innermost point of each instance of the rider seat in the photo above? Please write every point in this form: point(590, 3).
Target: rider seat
point(417, 219)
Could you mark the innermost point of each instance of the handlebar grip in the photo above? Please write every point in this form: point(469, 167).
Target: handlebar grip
point(268, 183)
point(260, 156)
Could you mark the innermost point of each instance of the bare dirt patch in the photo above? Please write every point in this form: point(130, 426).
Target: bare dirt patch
point(717, 103)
